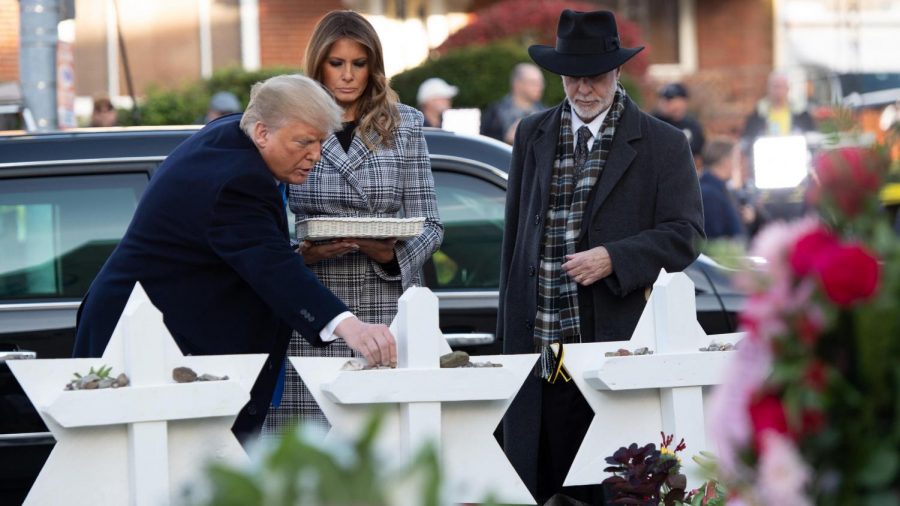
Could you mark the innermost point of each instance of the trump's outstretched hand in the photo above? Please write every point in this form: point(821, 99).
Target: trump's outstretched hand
point(374, 341)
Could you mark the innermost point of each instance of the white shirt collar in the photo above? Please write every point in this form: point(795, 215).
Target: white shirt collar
point(593, 126)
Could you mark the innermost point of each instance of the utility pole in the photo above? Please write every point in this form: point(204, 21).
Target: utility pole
point(38, 20)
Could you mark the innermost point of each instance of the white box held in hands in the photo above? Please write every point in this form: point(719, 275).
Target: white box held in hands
point(318, 229)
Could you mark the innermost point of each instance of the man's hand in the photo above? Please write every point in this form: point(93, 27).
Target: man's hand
point(748, 214)
point(315, 253)
point(380, 250)
point(588, 267)
point(374, 341)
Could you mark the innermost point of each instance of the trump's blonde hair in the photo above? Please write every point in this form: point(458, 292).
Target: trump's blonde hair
point(285, 98)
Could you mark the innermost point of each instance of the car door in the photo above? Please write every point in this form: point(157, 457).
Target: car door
point(58, 224)
point(465, 272)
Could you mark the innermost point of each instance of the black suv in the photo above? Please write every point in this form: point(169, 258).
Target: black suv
point(67, 198)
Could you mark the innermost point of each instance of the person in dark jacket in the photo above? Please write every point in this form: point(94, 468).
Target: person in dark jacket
point(209, 243)
point(721, 216)
point(672, 107)
point(774, 115)
point(526, 87)
point(601, 196)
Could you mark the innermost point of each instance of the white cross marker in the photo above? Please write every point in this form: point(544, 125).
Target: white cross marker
point(636, 397)
point(139, 444)
point(456, 409)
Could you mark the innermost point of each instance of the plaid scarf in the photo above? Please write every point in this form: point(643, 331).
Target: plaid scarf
point(557, 319)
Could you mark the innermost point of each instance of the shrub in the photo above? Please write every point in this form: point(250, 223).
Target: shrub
point(303, 467)
point(482, 74)
point(187, 104)
point(530, 22)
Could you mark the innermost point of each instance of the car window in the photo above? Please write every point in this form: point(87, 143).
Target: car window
point(472, 213)
point(56, 232)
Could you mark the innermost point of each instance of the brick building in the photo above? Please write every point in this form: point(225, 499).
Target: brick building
point(722, 49)
point(9, 40)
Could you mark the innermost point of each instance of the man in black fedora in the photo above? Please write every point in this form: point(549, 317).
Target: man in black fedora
point(601, 197)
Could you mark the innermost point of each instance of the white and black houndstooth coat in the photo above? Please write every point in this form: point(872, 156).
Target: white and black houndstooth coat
point(387, 182)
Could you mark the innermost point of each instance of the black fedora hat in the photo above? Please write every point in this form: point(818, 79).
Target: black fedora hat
point(587, 44)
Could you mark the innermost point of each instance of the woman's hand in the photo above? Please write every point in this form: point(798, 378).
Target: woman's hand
point(380, 250)
point(314, 253)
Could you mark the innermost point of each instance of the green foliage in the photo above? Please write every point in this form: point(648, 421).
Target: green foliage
point(482, 75)
point(301, 468)
point(101, 373)
point(187, 103)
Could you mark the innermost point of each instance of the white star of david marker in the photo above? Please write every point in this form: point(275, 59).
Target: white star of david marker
point(455, 409)
point(138, 444)
point(634, 398)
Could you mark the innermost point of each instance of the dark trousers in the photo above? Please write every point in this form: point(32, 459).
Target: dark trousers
point(565, 417)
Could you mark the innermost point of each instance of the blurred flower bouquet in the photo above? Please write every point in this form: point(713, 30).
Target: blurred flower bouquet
point(810, 411)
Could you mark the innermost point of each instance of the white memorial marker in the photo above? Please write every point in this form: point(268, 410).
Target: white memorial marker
point(636, 397)
point(135, 445)
point(455, 409)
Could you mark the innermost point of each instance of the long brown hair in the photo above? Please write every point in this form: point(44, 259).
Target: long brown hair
point(376, 109)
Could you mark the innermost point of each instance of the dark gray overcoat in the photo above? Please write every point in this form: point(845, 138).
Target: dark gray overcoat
point(645, 209)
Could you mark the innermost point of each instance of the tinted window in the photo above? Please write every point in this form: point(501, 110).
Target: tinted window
point(56, 232)
point(472, 212)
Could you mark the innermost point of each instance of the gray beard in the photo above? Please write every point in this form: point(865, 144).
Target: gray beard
point(588, 115)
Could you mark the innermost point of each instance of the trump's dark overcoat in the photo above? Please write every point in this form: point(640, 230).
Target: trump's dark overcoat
point(209, 244)
point(645, 209)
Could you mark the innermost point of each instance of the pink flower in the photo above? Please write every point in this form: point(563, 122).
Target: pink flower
point(783, 475)
point(729, 412)
point(774, 243)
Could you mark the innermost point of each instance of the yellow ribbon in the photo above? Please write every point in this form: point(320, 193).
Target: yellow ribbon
point(560, 371)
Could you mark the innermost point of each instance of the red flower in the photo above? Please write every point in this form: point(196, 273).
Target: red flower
point(814, 376)
point(849, 273)
point(823, 113)
point(808, 248)
point(848, 176)
point(767, 413)
point(808, 329)
point(812, 420)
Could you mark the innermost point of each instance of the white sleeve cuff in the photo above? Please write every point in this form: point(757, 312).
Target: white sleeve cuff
point(327, 333)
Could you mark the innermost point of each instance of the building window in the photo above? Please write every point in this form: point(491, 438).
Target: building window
point(667, 27)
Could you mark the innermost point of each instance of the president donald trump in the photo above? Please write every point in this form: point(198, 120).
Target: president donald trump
point(209, 243)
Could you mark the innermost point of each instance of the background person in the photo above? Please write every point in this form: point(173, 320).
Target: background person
point(104, 113)
point(672, 107)
point(220, 104)
point(774, 115)
point(434, 97)
point(209, 243)
point(526, 85)
point(376, 165)
point(601, 196)
point(721, 216)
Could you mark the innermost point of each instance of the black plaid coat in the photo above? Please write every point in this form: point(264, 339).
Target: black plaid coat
point(645, 208)
point(387, 182)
